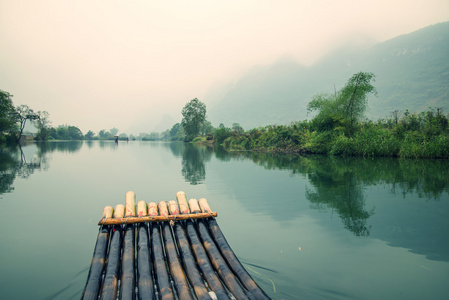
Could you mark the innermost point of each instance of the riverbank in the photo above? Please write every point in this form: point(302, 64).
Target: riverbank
point(414, 136)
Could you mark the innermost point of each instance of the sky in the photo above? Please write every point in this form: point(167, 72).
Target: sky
point(131, 63)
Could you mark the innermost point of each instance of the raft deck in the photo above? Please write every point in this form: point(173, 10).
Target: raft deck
point(165, 251)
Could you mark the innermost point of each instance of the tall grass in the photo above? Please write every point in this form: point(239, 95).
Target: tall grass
point(424, 135)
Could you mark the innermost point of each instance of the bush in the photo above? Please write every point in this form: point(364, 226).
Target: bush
point(319, 143)
point(343, 146)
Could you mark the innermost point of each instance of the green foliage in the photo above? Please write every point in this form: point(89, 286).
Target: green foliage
point(43, 125)
point(342, 110)
point(193, 118)
point(105, 135)
point(23, 114)
point(371, 141)
point(65, 132)
point(7, 113)
point(237, 128)
point(207, 128)
point(353, 98)
point(113, 131)
point(221, 134)
point(176, 132)
point(153, 136)
point(423, 135)
point(90, 135)
point(319, 142)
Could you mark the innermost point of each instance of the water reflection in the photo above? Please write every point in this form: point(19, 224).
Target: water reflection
point(177, 148)
point(427, 179)
point(339, 184)
point(345, 195)
point(14, 162)
point(194, 160)
point(68, 146)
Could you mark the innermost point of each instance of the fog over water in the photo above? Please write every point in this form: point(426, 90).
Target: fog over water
point(134, 64)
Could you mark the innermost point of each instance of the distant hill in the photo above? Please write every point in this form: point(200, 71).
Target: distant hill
point(412, 72)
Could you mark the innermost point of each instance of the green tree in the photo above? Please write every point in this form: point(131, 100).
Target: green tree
point(193, 118)
point(327, 117)
point(237, 128)
point(353, 98)
point(7, 113)
point(113, 131)
point(89, 135)
point(340, 111)
point(123, 136)
point(207, 128)
point(43, 125)
point(105, 135)
point(176, 132)
point(74, 133)
point(23, 114)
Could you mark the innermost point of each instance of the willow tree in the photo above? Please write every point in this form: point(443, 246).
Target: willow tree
point(193, 118)
point(342, 110)
point(353, 98)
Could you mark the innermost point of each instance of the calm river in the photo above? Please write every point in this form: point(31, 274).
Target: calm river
point(304, 227)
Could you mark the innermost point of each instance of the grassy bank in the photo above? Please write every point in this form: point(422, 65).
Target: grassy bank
point(424, 135)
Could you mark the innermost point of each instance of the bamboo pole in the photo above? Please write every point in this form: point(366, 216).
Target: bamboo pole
point(190, 267)
point(152, 209)
point(130, 203)
point(183, 206)
point(110, 283)
point(230, 257)
point(176, 271)
point(202, 257)
point(145, 284)
point(128, 277)
point(93, 283)
point(160, 268)
point(218, 261)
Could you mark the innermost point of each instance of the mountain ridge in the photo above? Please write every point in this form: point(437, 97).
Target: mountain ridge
point(412, 72)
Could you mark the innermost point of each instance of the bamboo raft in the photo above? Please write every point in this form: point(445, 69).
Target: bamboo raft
point(165, 251)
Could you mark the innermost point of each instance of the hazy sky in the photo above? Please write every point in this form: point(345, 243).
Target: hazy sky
point(98, 64)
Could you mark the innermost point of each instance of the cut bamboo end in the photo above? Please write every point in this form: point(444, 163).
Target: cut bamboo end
point(204, 205)
point(183, 206)
point(194, 207)
point(152, 209)
point(162, 206)
point(141, 208)
point(161, 218)
point(130, 202)
point(107, 212)
point(119, 211)
point(173, 207)
point(156, 212)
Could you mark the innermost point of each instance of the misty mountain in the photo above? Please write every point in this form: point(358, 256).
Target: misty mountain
point(412, 72)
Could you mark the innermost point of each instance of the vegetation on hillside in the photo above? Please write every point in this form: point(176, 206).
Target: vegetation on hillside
point(339, 129)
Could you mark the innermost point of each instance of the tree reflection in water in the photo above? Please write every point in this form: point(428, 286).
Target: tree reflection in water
point(14, 163)
point(194, 160)
point(338, 183)
point(342, 193)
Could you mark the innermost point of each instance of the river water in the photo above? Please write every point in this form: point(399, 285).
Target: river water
point(304, 227)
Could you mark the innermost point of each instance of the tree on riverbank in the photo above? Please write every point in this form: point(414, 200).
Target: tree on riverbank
point(23, 114)
point(7, 112)
point(342, 110)
point(193, 118)
point(338, 129)
point(43, 125)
